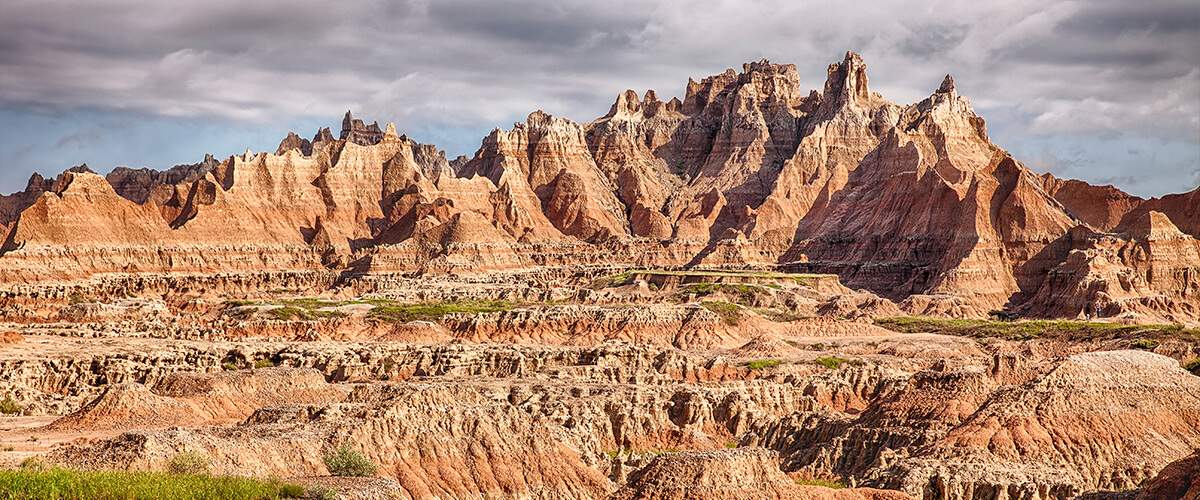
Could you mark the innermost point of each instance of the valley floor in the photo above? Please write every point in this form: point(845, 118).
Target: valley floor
point(631, 385)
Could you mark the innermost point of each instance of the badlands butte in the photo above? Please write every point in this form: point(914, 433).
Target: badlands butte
point(757, 291)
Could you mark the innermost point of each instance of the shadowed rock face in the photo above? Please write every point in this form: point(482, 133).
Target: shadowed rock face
point(912, 202)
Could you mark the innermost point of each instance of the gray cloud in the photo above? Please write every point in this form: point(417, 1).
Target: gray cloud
point(1101, 68)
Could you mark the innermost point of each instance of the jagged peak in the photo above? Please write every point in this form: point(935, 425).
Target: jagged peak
point(627, 103)
point(390, 132)
point(846, 81)
point(323, 135)
point(947, 85)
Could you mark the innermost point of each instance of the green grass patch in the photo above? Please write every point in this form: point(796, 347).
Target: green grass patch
point(9, 406)
point(396, 312)
point(832, 362)
point(1031, 329)
point(264, 363)
point(1146, 344)
point(763, 364)
point(66, 484)
point(728, 312)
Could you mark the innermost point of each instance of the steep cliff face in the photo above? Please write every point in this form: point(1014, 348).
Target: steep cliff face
point(748, 168)
point(1101, 207)
point(934, 208)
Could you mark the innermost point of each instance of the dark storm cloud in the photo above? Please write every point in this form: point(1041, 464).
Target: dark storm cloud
point(1039, 71)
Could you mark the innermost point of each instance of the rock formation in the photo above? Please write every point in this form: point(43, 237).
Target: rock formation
point(911, 202)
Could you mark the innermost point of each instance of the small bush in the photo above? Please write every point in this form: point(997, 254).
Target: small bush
point(264, 363)
point(8, 406)
point(831, 362)
point(189, 462)
point(1146, 344)
point(291, 491)
point(344, 461)
point(229, 366)
point(1193, 366)
point(762, 364)
point(33, 464)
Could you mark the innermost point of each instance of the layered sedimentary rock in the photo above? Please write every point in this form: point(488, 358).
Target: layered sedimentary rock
point(913, 202)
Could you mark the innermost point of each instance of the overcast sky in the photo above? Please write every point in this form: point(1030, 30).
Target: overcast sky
point(1107, 91)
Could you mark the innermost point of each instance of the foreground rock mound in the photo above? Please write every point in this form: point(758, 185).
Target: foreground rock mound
point(731, 475)
point(1083, 426)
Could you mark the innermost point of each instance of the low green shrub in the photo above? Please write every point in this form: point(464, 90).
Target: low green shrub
point(832, 362)
point(345, 461)
point(762, 364)
point(188, 462)
point(9, 406)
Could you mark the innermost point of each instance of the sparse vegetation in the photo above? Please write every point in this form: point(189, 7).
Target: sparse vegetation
point(264, 363)
point(731, 444)
point(229, 366)
point(627, 277)
point(728, 312)
point(188, 462)
point(1193, 365)
point(828, 483)
point(653, 452)
point(763, 364)
point(9, 406)
point(291, 313)
point(1146, 344)
point(1030, 329)
point(345, 461)
point(72, 484)
point(832, 362)
point(398, 313)
point(778, 316)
